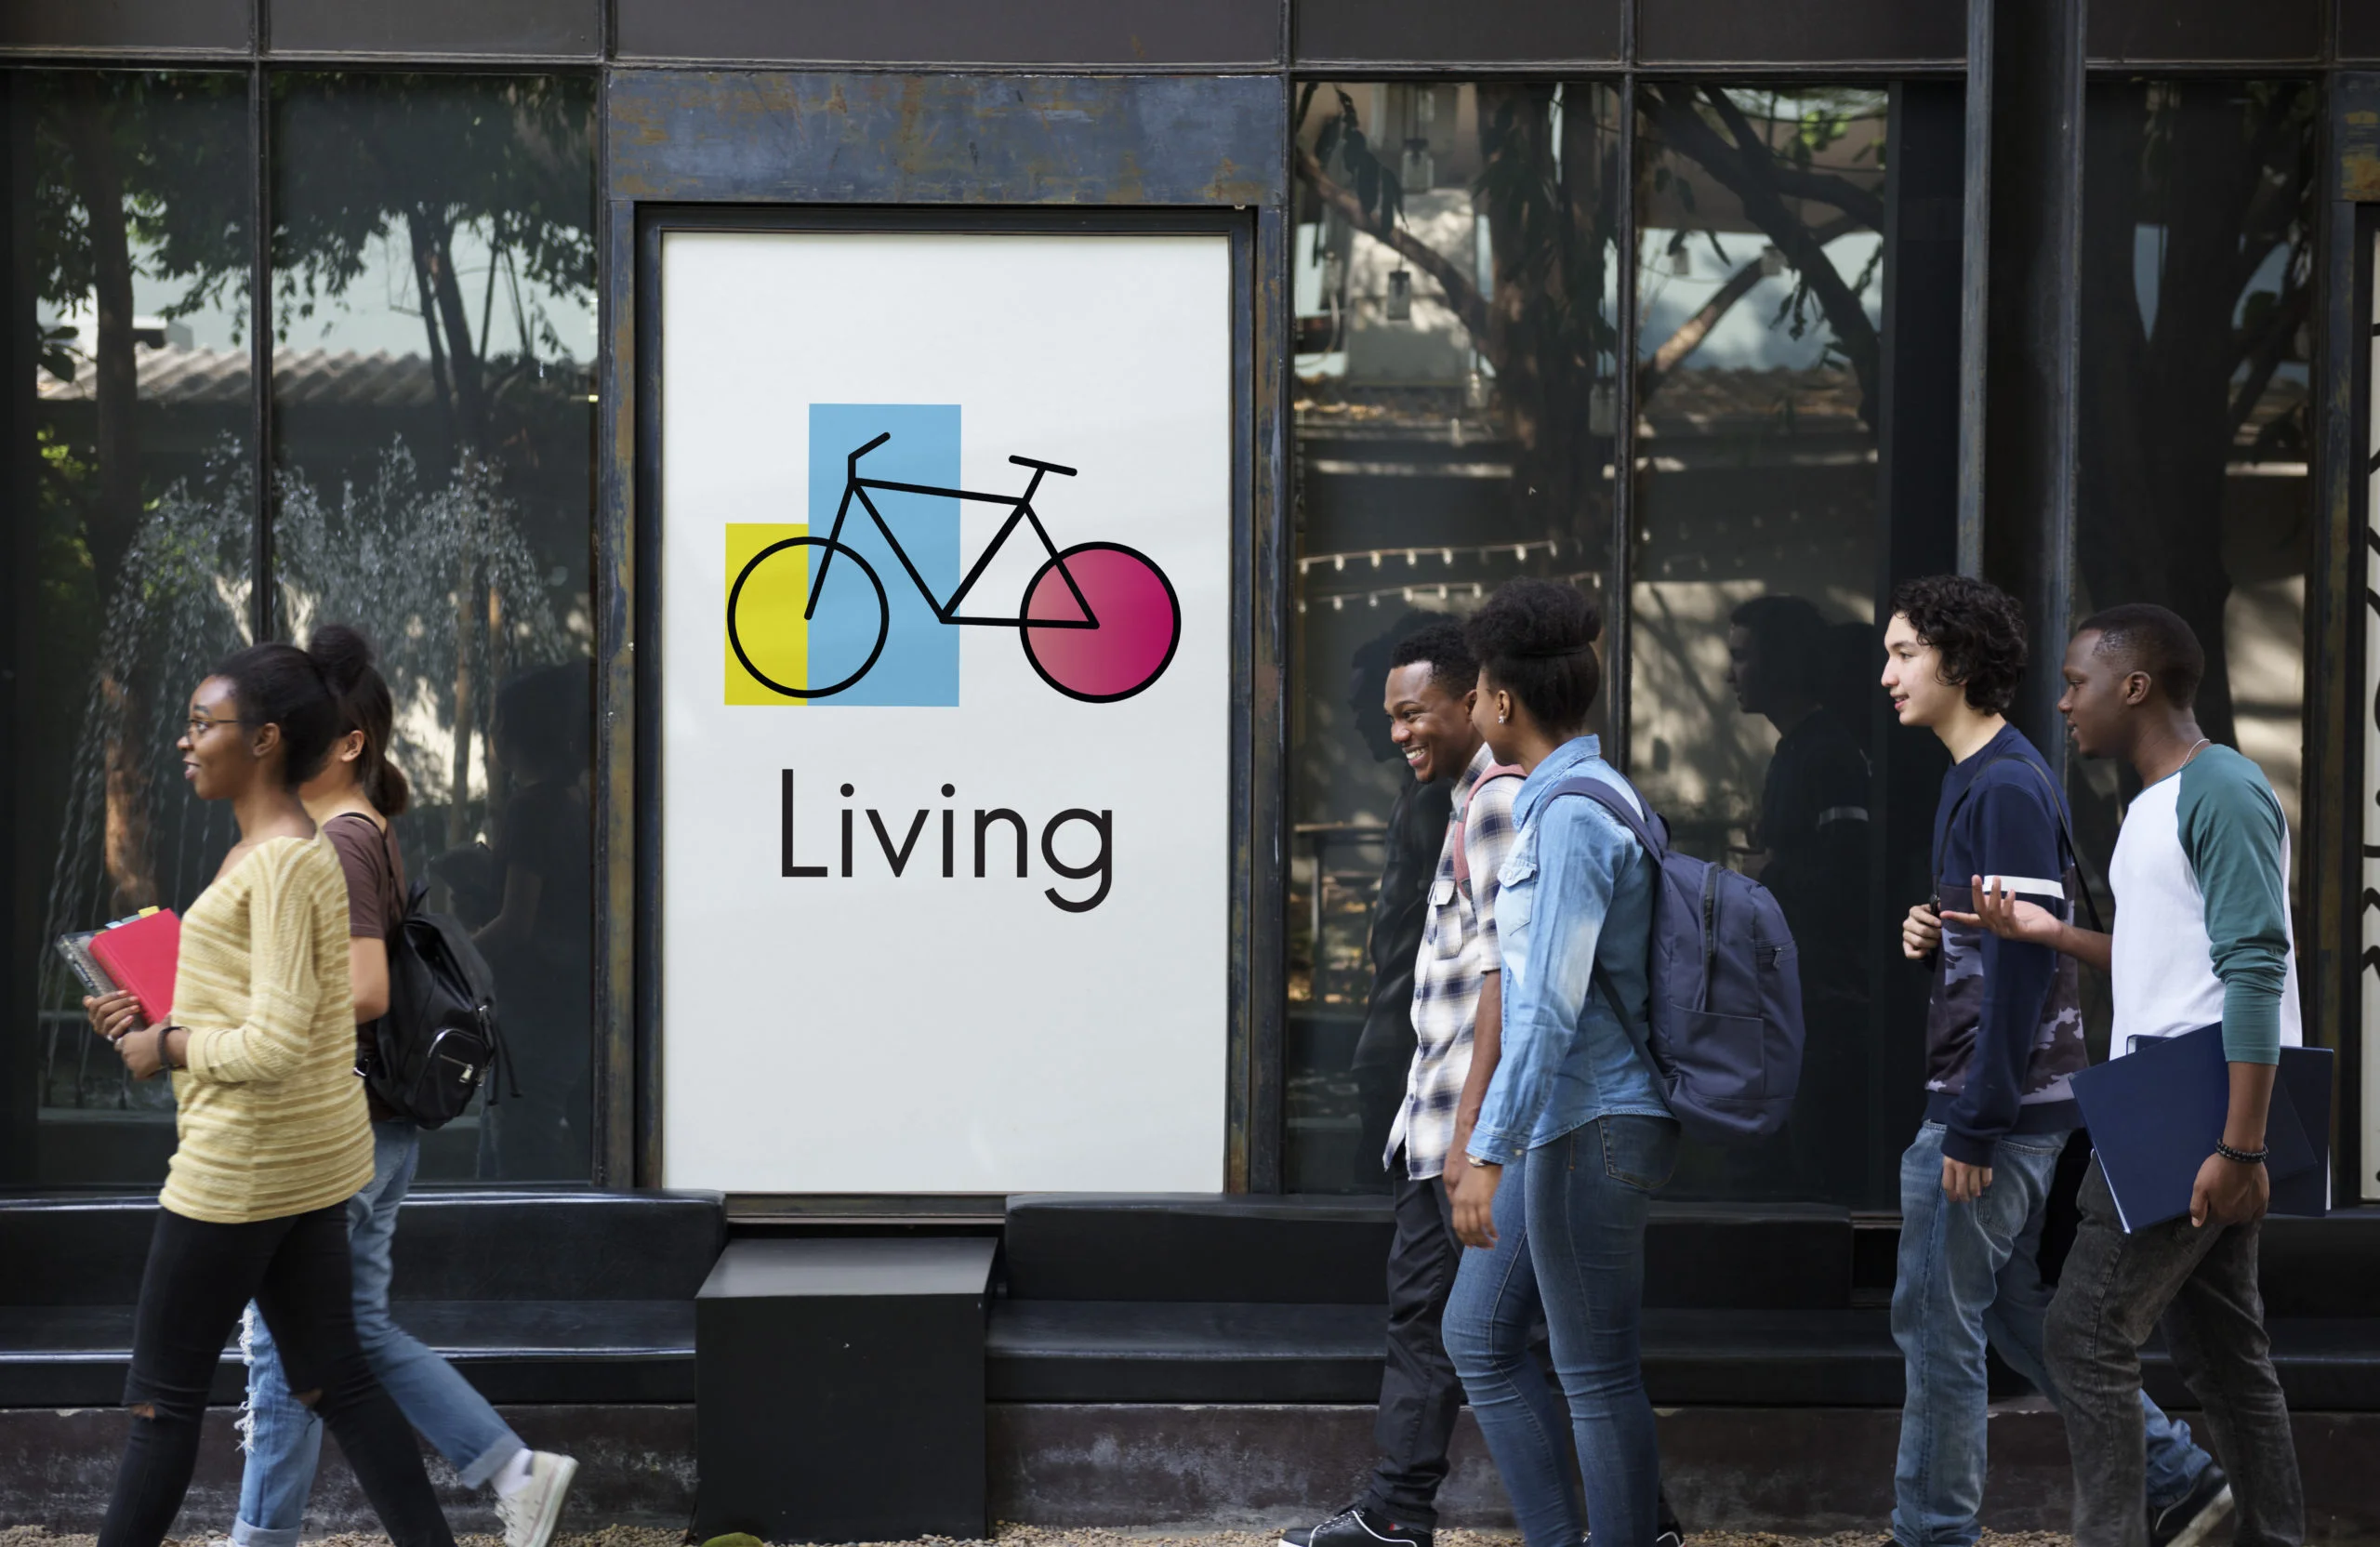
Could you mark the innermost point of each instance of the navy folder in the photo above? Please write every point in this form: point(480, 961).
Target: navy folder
point(2156, 1112)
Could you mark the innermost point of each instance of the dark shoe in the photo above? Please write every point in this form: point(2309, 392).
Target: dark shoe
point(2190, 1522)
point(1357, 1526)
point(1672, 1534)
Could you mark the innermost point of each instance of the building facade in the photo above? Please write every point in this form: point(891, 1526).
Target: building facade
point(1734, 314)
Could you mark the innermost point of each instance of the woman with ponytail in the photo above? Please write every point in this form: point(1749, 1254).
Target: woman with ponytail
point(352, 799)
point(270, 1134)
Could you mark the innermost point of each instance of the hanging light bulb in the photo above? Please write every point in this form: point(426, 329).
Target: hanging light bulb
point(1400, 295)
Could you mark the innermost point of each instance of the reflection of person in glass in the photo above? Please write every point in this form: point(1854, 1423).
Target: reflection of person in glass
point(1416, 824)
point(539, 943)
point(1812, 841)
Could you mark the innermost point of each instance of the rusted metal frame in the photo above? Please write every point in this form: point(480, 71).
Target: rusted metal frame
point(1260, 718)
point(613, 568)
point(629, 818)
point(1254, 989)
point(2340, 615)
point(1211, 153)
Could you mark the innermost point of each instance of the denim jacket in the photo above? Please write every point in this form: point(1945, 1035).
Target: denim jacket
point(1577, 890)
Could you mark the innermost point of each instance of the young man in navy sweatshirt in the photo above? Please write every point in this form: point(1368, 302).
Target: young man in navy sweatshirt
point(2004, 1033)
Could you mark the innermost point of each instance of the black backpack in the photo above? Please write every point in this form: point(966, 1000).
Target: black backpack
point(438, 1042)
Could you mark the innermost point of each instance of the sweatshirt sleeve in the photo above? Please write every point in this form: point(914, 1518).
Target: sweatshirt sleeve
point(2012, 832)
point(284, 983)
point(2232, 831)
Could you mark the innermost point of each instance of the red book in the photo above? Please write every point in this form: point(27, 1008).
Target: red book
point(140, 954)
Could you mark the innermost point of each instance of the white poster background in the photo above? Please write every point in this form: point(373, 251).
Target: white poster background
point(927, 1034)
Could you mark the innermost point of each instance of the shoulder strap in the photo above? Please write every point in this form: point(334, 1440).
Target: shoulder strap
point(1603, 793)
point(1461, 819)
point(2057, 809)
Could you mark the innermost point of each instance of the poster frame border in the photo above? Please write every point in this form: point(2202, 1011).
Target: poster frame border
point(1245, 1152)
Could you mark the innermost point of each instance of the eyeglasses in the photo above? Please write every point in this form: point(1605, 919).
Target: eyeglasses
point(199, 724)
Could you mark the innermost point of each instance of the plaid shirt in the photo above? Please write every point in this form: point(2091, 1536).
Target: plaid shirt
point(1458, 948)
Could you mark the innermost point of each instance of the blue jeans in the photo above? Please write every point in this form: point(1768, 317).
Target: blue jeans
point(286, 1438)
point(1570, 1238)
point(1970, 1273)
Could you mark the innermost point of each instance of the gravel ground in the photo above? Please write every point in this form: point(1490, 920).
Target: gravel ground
point(1045, 1536)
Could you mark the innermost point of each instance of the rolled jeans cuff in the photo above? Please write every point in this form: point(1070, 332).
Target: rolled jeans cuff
point(245, 1535)
point(490, 1461)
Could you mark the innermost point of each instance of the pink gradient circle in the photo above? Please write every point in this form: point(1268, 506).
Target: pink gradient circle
point(1139, 623)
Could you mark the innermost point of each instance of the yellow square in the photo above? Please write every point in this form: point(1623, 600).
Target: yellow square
point(766, 616)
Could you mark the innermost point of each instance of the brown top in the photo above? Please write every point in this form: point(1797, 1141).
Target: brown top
point(375, 888)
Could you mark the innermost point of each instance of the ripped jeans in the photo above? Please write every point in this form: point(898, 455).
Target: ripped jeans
point(285, 1440)
point(296, 1269)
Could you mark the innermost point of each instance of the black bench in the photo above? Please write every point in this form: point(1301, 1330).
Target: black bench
point(536, 1295)
point(1211, 1298)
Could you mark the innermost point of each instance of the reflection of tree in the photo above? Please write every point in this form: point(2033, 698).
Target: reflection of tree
point(507, 161)
point(429, 159)
point(1704, 125)
point(132, 172)
point(150, 173)
point(1549, 188)
point(2168, 396)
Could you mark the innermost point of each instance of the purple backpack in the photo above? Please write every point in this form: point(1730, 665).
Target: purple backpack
point(1725, 1045)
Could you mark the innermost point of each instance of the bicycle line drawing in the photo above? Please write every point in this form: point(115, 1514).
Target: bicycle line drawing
point(1097, 652)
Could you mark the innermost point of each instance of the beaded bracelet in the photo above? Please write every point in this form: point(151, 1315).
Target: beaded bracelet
point(2244, 1156)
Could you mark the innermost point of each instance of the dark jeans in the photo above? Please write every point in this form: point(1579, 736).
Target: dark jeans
point(198, 1278)
point(2201, 1284)
point(1420, 1393)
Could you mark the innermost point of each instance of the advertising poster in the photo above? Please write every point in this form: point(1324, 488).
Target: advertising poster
point(945, 545)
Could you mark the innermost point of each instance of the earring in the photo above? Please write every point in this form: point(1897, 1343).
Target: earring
point(1502, 719)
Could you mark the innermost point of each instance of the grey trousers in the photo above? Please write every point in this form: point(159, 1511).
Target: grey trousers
point(2199, 1284)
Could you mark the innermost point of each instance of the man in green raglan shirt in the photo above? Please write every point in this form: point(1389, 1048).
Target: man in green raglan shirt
point(2201, 935)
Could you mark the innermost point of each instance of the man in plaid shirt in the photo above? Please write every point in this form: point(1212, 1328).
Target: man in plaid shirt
point(1456, 1016)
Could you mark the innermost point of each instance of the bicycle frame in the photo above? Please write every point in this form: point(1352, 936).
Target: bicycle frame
point(1020, 509)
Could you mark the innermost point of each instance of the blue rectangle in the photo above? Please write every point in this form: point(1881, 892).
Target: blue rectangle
point(919, 663)
point(2155, 1115)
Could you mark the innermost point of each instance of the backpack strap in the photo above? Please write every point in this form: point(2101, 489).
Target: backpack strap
point(1461, 818)
point(2057, 809)
point(1603, 793)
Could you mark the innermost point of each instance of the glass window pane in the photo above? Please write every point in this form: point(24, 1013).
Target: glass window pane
point(1751, 613)
point(2198, 308)
point(1454, 271)
point(136, 487)
point(433, 399)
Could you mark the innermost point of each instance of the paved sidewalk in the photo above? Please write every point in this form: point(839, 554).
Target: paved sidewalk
point(1040, 1536)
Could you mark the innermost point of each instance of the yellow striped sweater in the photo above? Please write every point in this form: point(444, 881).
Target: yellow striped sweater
point(270, 1113)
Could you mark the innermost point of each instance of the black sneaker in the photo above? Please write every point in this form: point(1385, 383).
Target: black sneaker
point(1357, 1526)
point(2190, 1522)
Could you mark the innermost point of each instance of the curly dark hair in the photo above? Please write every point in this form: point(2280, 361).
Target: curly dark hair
point(1536, 639)
point(1441, 645)
point(1978, 628)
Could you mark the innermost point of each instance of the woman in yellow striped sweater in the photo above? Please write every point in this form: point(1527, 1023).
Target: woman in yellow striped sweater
point(272, 1137)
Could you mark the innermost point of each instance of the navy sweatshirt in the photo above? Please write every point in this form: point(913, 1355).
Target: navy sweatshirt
point(2004, 1028)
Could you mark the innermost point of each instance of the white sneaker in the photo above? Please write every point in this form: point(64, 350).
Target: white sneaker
point(531, 1511)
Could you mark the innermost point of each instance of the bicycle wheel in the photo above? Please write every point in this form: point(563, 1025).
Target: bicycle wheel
point(1129, 638)
point(848, 624)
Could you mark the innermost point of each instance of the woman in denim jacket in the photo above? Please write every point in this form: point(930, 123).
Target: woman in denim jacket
point(1571, 1112)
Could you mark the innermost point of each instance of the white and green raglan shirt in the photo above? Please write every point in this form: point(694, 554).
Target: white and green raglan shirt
point(2202, 929)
